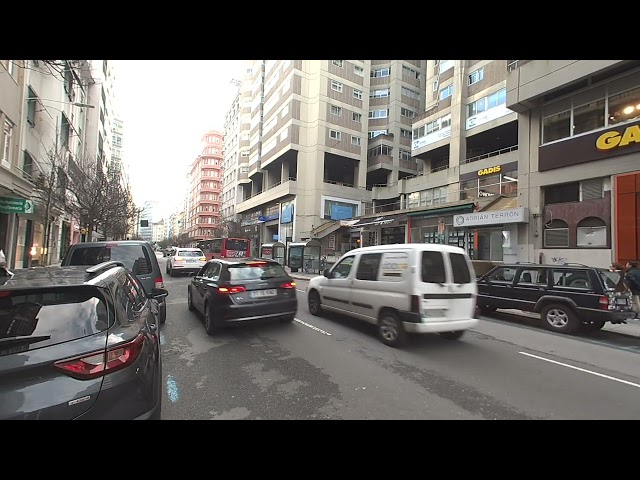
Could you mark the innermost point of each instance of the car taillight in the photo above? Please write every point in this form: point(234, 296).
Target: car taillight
point(415, 303)
point(203, 259)
point(604, 303)
point(228, 290)
point(177, 259)
point(288, 285)
point(159, 283)
point(97, 364)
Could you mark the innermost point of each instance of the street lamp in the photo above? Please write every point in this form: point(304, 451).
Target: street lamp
point(75, 104)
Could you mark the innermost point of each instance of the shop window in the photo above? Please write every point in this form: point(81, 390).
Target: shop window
point(433, 267)
point(567, 192)
point(591, 189)
point(555, 127)
point(368, 267)
point(556, 234)
point(624, 106)
point(592, 232)
point(588, 117)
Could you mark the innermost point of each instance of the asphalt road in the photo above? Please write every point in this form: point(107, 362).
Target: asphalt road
point(333, 367)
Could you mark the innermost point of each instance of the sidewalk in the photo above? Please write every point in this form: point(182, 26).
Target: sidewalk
point(631, 328)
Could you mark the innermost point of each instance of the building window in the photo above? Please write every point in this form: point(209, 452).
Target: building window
point(406, 156)
point(435, 85)
point(485, 103)
point(336, 135)
point(375, 133)
point(407, 92)
point(356, 117)
point(405, 133)
point(446, 92)
point(556, 234)
point(475, 77)
point(380, 93)
point(65, 131)
point(357, 94)
point(356, 140)
point(564, 193)
point(8, 142)
point(410, 72)
point(337, 210)
point(336, 86)
point(379, 113)
point(380, 150)
point(381, 72)
point(337, 63)
point(405, 112)
point(591, 232)
point(358, 70)
point(335, 110)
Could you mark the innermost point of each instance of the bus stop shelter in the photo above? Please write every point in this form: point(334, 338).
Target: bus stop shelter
point(274, 251)
point(304, 256)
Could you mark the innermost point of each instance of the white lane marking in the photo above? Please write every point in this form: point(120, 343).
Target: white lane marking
point(582, 370)
point(311, 326)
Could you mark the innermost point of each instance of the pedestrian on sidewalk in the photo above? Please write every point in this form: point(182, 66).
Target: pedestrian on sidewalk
point(633, 282)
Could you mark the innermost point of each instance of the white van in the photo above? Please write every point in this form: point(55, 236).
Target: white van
point(405, 288)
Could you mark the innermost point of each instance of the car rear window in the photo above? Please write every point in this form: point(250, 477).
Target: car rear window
point(190, 253)
point(612, 280)
point(460, 268)
point(63, 314)
point(433, 267)
point(134, 257)
point(256, 271)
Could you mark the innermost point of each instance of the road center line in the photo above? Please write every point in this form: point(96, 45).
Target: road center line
point(582, 370)
point(311, 326)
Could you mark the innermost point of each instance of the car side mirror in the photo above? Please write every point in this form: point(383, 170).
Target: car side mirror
point(159, 293)
point(327, 273)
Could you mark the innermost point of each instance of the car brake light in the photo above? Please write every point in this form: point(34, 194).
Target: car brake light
point(5, 294)
point(159, 283)
point(288, 285)
point(177, 259)
point(97, 364)
point(415, 303)
point(604, 303)
point(227, 290)
point(255, 264)
point(203, 259)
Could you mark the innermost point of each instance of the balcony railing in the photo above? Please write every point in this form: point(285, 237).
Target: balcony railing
point(269, 188)
point(489, 155)
point(515, 64)
point(342, 184)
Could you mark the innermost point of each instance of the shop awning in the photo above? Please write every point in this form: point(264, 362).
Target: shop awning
point(381, 220)
point(464, 208)
point(502, 203)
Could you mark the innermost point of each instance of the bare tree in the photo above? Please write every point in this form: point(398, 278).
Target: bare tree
point(231, 228)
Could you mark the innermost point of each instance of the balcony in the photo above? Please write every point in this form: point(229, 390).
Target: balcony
point(380, 161)
point(274, 192)
point(528, 81)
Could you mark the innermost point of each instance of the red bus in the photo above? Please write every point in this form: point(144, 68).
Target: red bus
point(224, 248)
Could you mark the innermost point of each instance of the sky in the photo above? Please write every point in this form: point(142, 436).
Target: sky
point(166, 107)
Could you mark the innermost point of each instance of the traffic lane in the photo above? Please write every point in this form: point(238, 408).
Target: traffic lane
point(279, 371)
point(492, 371)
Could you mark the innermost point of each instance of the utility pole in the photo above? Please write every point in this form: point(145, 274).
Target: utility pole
point(53, 175)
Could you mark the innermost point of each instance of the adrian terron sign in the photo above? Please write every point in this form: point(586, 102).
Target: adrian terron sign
point(494, 217)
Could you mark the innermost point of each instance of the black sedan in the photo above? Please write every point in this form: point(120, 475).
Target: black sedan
point(229, 291)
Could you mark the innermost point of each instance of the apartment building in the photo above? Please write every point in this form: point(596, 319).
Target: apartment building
point(205, 194)
point(322, 134)
point(579, 158)
point(158, 231)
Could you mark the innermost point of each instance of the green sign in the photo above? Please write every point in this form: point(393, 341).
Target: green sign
point(15, 205)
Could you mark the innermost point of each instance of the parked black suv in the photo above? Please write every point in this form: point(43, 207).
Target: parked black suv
point(79, 343)
point(570, 297)
point(137, 256)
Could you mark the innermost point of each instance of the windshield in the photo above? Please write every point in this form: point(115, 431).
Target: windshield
point(190, 253)
point(236, 244)
point(612, 280)
point(62, 314)
point(134, 257)
point(256, 271)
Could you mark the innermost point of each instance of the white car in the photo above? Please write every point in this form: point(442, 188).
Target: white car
point(185, 260)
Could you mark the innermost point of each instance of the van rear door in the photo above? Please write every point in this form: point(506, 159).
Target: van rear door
point(462, 286)
point(434, 287)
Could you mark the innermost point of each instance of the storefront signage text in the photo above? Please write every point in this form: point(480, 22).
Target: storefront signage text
point(496, 217)
point(15, 205)
point(613, 139)
point(490, 170)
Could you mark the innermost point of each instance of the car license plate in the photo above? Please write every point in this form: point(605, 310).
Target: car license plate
point(264, 293)
point(622, 301)
point(191, 260)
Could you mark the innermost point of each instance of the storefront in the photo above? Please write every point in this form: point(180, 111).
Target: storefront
point(380, 230)
point(250, 225)
point(492, 233)
point(490, 182)
point(270, 223)
point(436, 225)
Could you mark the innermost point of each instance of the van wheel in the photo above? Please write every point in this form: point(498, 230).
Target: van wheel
point(391, 330)
point(560, 318)
point(452, 335)
point(315, 307)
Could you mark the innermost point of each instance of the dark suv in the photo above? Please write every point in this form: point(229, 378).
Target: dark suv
point(570, 297)
point(79, 343)
point(230, 291)
point(137, 255)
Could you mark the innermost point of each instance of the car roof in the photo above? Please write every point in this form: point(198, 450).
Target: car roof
point(112, 243)
point(239, 261)
point(438, 247)
point(187, 248)
point(547, 265)
point(55, 276)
